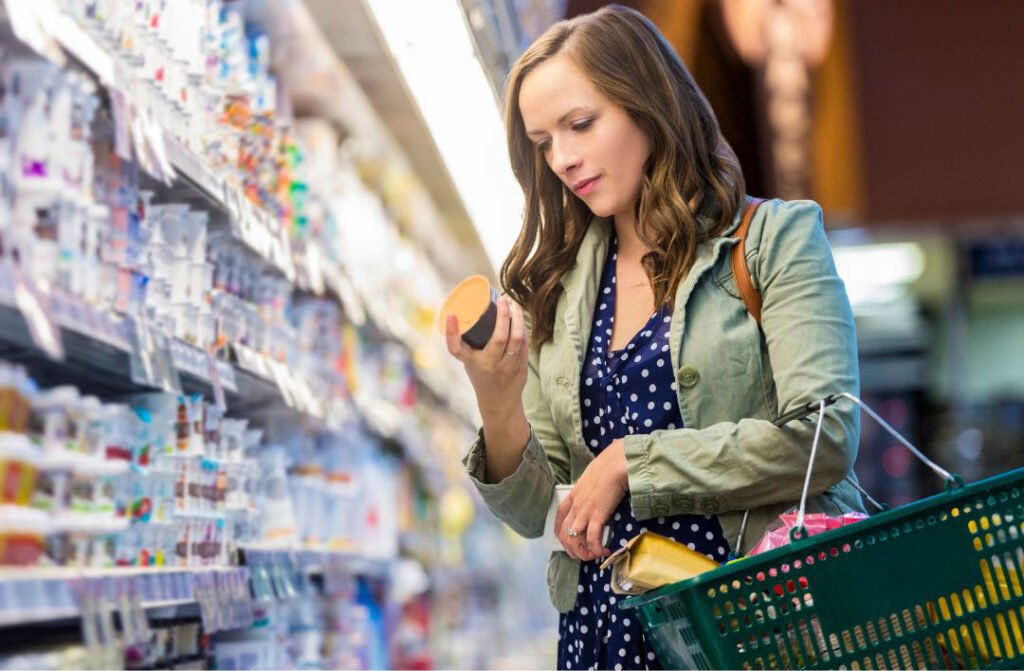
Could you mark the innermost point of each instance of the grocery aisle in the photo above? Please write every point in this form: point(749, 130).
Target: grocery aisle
point(229, 436)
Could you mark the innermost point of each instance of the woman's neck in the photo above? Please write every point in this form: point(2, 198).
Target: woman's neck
point(631, 248)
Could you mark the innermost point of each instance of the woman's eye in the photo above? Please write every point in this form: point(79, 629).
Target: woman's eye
point(583, 125)
point(544, 146)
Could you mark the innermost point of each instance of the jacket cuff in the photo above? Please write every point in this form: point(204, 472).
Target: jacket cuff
point(641, 483)
point(515, 499)
point(653, 497)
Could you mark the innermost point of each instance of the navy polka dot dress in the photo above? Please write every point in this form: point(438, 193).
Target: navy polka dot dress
point(623, 392)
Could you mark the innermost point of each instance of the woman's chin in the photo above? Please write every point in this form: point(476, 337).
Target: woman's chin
point(601, 207)
point(598, 210)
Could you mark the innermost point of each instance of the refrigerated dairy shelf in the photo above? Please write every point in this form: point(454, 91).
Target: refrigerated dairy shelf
point(394, 416)
point(249, 223)
point(249, 389)
point(49, 594)
point(35, 595)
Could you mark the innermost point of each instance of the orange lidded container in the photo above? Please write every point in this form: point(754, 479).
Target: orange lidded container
point(475, 303)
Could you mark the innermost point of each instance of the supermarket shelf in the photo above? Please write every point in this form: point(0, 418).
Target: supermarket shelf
point(316, 561)
point(250, 224)
point(34, 595)
point(257, 229)
point(104, 366)
point(351, 30)
point(32, 617)
point(376, 89)
point(257, 392)
point(71, 615)
point(388, 422)
point(98, 351)
point(368, 95)
point(249, 390)
point(37, 595)
point(437, 386)
point(318, 278)
point(329, 281)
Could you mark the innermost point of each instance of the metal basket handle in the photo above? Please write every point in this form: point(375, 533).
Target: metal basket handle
point(798, 531)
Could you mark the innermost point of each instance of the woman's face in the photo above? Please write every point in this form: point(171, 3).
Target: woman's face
point(589, 142)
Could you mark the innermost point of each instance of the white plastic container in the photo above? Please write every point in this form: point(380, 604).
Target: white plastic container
point(551, 542)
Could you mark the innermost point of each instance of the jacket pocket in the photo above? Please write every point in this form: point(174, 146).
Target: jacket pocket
point(722, 275)
point(563, 577)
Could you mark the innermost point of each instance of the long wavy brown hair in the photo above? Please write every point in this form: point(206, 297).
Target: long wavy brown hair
point(692, 184)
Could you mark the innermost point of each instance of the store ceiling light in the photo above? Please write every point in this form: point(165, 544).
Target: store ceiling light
point(432, 45)
point(878, 272)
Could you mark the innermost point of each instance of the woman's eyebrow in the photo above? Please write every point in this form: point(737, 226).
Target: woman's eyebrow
point(561, 119)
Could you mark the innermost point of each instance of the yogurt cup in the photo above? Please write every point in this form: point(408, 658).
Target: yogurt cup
point(475, 303)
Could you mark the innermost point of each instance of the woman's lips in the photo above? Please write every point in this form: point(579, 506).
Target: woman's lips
point(586, 186)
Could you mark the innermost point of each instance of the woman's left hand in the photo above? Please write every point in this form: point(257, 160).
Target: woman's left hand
point(593, 499)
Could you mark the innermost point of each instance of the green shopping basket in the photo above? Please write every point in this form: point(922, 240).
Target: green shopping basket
point(933, 584)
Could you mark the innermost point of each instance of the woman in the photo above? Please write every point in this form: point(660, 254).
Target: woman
point(640, 376)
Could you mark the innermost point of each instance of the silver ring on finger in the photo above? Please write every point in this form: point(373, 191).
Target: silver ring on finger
point(511, 353)
point(572, 533)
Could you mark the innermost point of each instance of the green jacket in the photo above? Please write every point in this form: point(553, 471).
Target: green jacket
point(731, 382)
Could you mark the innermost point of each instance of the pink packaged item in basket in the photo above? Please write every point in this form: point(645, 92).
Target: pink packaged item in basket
point(778, 534)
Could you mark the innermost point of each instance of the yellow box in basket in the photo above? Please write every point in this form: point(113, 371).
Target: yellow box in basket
point(649, 561)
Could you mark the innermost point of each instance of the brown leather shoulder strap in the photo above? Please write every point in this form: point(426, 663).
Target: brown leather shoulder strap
point(751, 298)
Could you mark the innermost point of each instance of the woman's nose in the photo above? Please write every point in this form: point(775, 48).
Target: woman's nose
point(564, 157)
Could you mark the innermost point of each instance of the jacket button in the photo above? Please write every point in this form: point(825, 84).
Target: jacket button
point(685, 503)
point(710, 507)
point(660, 509)
point(688, 377)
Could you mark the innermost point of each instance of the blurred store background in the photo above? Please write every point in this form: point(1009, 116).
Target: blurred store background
point(389, 182)
point(902, 120)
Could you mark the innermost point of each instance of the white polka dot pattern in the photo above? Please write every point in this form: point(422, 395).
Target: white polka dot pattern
point(625, 392)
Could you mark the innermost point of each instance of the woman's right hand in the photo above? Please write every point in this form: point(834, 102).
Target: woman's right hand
point(498, 371)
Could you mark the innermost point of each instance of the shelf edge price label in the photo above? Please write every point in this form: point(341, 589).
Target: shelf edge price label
point(151, 362)
point(35, 308)
point(79, 42)
point(226, 373)
point(231, 204)
point(314, 268)
point(280, 375)
point(32, 23)
point(213, 370)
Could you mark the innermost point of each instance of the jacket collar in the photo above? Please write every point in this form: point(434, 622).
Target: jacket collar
point(707, 255)
point(582, 282)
